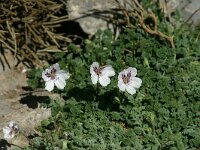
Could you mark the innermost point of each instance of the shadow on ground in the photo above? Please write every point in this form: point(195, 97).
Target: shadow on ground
point(4, 144)
point(106, 101)
point(33, 101)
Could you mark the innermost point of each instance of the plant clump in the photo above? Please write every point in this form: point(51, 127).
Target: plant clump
point(162, 114)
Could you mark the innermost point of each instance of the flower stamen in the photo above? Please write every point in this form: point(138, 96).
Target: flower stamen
point(98, 70)
point(52, 74)
point(14, 130)
point(126, 78)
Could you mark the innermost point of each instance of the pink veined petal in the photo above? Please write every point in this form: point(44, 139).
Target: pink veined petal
point(45, 78)
point(94, 64)
point(130, 89)
point(104, 80)
point(121, 85)
point(135, 82)
point(60, 83)
point(132, 70)
point(13, 125)
point(108, 71)
point(56, 66)
point(49, 85)
point(63, 74)
point(94, 78)
point(120, 75)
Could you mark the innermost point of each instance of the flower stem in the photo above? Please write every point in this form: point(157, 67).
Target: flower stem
point(97, 89)
point(122, 97)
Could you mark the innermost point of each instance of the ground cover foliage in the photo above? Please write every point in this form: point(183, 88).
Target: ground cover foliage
point(163, 114)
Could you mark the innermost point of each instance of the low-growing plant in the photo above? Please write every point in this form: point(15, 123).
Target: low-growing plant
point(137, 92)
point(163, 114)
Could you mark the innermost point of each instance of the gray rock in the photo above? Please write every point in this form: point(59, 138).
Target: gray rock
point(82, 11)
point(7, 60)
point(11, 109)
point(189, 9)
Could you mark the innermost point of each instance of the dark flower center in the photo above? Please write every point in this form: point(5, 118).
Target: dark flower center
point(126, 78)
point(98, 70)
point(51, 74)
point(14, 130)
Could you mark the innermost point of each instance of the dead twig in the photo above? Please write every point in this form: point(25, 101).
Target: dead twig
point(154, 31)
point(134, 10)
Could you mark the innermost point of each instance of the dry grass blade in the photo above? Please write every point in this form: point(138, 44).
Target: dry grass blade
point(29, 26)
point(50, 49)
point(50, 34)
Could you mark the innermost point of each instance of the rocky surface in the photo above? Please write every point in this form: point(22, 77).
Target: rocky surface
point(189, 9)
point(19, 105)
point(5, 60)
point(83, 12)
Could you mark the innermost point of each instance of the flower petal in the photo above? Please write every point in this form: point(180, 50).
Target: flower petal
point(132, 70)
point(94, 78)
point(135, 82)
point(108, 71)
point(121, 85)
point(11, 130)
point(45, 78)
point(12, 124)
point(94, 64)
point(63, 74)
point(55, 66)
point(104, 81)
point(60, 83)
point(120, 75)
point(49, 85)
point(130, 89)
point(7, 132)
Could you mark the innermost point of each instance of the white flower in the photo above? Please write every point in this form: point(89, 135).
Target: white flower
point(54, 75)
point(101, 73)
point(127, 80)
point(11, 130)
